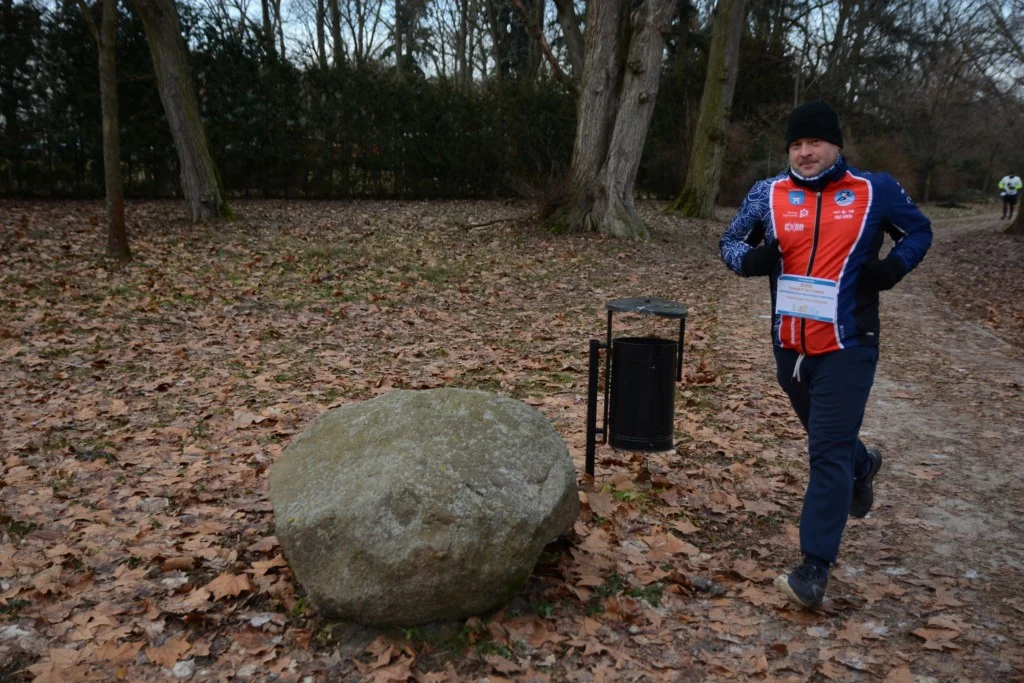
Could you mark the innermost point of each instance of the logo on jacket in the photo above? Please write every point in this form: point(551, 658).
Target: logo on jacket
point(793, 227)
point(845, 197)
point(796, 197)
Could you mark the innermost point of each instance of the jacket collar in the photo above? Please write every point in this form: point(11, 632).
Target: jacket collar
point(819, 182)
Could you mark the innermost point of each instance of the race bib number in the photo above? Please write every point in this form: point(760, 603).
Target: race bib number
point(807, 297)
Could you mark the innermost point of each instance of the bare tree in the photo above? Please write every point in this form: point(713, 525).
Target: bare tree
point(704, 171)
point(200, 180)
point(935, 101)
point(364, 23)
point(105, 36)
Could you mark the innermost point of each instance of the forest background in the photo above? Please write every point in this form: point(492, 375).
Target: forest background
point(475, 98)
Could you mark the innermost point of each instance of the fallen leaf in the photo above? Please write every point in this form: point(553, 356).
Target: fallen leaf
point(853, 632)
point(502, 665)
point(228, 585)
point(900, 674)
point(123, 653)
point(168, 654)
point(176, 563)
point(261, 567)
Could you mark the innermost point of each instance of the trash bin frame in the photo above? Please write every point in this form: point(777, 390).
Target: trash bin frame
point(656, 306)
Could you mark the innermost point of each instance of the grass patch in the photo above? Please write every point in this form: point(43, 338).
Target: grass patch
point(12, 609)
point(436, 274)
point(543, 608)
point(614, 585)
point(455, 641)
point(17, 529)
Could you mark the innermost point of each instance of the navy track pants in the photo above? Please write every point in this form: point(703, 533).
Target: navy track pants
point(829, 396)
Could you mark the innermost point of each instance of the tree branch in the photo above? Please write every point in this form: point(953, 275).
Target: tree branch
point(90, 22)
point(538, 35)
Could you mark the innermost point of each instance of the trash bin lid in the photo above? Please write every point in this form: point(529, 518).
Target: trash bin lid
point(651, 305)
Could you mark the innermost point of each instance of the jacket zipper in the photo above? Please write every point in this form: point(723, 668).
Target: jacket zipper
point(810, 265)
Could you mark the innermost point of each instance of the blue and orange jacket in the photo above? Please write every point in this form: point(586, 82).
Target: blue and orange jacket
point(828, 227)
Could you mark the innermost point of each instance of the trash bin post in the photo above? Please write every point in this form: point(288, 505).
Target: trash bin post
point(679, 360)
point(595, 360)
point(607, 377)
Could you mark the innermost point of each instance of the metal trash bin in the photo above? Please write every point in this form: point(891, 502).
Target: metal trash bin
point(643, 392)
point(639, 388)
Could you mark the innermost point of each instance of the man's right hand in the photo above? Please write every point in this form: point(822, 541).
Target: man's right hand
point(763, 260)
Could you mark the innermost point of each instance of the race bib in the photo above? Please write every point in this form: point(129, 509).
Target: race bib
point(807, 297)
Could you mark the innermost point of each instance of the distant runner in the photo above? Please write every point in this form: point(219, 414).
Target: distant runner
point(1009, 188)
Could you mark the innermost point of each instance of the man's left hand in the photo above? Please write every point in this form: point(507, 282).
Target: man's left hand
point(883, 274)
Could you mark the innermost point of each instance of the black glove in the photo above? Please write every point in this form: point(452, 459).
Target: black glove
point(762, 260)
point(881, 275)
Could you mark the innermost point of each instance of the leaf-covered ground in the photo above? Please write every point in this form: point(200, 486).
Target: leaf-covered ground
point(143, 407)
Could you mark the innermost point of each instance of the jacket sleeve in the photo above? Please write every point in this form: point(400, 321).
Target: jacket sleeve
point(751, 224)
point(910, 228)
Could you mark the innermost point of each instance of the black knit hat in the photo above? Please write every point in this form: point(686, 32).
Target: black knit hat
point(814, 120)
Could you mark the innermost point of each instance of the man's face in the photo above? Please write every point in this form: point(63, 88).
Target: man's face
point(811, 156)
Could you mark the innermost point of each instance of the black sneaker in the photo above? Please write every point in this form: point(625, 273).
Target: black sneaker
point(805, 585)
point(863, 490)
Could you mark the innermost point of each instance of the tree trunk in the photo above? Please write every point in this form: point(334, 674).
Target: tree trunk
point(105, 36)
point(321, 34)
point(573, 36)
point(268, 31)
point(200, 180)
point(338, 46)
point(497, 41)
point(1017, 227)
point(834, 63)
point(9, 105)
point(621, 73)
point(704, 172)
point(534, 56)
point(280, 30)
point(117, 234)
point(614, 206)
point(461, 41)
point(595, 111)
point(399, 30)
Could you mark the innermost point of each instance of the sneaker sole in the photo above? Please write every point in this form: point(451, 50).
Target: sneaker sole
point(782, 583)
point(871, 487)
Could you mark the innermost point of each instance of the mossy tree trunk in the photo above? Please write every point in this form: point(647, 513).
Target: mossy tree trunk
point(200, 180)
point(105, 36)
point(1017, 227)
point(621, 74)
point(704, 172)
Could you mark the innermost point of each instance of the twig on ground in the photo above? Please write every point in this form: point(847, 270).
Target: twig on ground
point(507, 219)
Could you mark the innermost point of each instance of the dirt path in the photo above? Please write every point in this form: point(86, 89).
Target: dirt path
point(945, 537)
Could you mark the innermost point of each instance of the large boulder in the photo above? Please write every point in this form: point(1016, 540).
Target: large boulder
point(418, 506)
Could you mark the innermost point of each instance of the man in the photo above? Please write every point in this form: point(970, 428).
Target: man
point(1009, 186)
point(822, 224)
